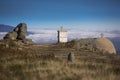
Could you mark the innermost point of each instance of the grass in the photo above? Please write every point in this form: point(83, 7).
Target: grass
point(60, 70)
point(37, 63)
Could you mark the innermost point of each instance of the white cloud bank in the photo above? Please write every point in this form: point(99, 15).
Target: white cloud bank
point(43, 36)
point(2, 34)
point(50, 36)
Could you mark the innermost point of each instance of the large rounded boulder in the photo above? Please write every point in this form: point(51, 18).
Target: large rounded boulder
point(22, 30)
point(104, 45)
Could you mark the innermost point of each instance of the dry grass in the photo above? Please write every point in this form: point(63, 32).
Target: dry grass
point(37, 63)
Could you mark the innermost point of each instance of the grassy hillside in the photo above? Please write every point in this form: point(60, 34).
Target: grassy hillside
point(49, 62)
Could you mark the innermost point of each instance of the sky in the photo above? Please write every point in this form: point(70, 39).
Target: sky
point(71, 14)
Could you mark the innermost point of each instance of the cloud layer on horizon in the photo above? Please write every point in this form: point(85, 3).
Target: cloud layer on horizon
point(50, 36)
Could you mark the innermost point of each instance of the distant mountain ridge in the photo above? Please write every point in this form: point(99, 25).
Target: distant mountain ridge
point(6, 28)
point(116, 42)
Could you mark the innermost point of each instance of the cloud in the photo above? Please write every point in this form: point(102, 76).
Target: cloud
point(50, 36)
point(43, 36)
point(2, 34)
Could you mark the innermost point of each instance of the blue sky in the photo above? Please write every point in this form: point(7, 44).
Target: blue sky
point(78, 14)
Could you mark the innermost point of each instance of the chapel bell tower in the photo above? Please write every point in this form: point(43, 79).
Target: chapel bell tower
point(62, 35)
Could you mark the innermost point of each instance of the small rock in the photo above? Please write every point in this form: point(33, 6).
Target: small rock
point(7, 46)
point(20, 49)
point(70, 57)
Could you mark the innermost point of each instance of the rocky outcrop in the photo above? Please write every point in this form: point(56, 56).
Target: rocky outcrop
point(86, 43)
point(19, 32)
point(18, 35)
point(97, 45)
point(104, 45)
point(71, 57)
point(11, 35)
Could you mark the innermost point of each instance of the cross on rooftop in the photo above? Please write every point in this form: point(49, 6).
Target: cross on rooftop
point(102, 35)
point(61, 28)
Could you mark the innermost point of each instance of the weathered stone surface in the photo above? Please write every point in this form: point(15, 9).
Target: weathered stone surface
point(11, 35)
point(101, 45)
point(21, 36)
point(28, 41)
point(16, 29)
point(83, 44)
point(71, 57)
point(22, 30)
point(18, 35)
point(19, 32)
point(104, 45)
point(22, 27)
